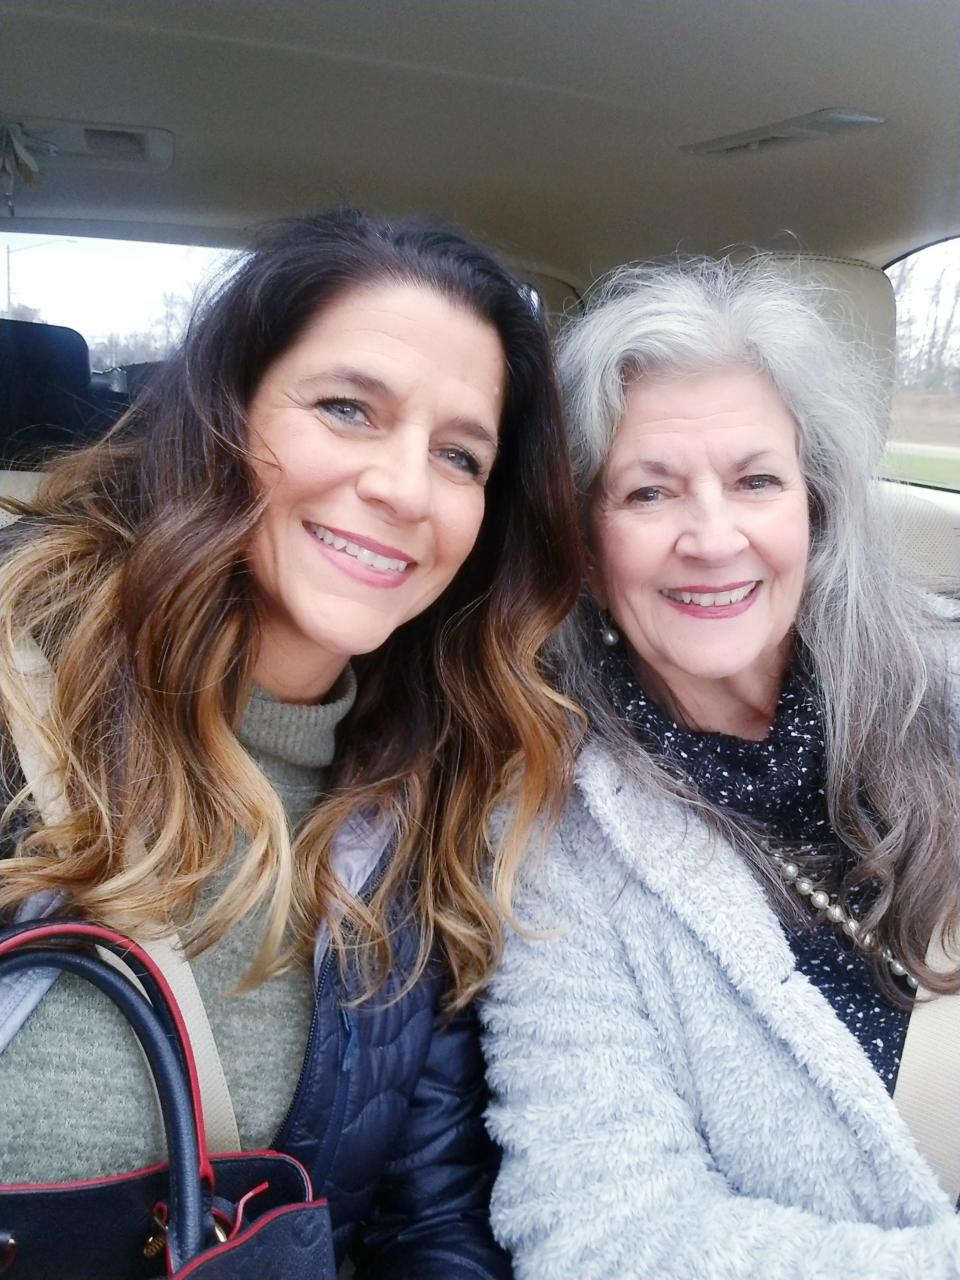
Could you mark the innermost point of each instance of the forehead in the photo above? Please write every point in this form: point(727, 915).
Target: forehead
point(393, 320)
point(733, 405)
point(399, 343)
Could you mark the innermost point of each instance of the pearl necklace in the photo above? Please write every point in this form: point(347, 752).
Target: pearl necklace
point(829, 905)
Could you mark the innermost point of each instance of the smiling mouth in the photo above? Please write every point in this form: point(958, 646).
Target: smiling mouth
point(372, 559)
point(711, 599)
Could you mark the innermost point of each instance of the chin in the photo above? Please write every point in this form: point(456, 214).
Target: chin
point(366, 644)
point(351, 633)
point(719, 667)
point(354, 641)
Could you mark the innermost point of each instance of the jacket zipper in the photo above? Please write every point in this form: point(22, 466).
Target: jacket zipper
point(307, 1052)
point(349, 1050)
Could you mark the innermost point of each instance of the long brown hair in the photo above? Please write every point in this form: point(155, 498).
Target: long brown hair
point(129, 570)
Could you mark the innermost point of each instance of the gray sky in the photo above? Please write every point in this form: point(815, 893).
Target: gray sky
point(99, 287)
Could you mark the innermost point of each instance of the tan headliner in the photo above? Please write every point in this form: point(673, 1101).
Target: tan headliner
point(552, 127)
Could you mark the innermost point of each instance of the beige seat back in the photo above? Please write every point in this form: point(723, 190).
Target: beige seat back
point(863, 305)
point(16, 484)
point(864, 309)
point(928, 534)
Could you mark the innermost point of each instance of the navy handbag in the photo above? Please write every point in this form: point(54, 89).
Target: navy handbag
point(245, 1216)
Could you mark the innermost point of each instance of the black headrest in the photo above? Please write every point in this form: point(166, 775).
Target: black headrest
point(47, 353)
point(46, 400)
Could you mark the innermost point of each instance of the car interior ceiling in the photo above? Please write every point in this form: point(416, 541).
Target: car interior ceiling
point(566, 134)
point(572, 137)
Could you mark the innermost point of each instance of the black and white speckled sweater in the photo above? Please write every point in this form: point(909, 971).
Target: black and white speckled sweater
point(779, 783)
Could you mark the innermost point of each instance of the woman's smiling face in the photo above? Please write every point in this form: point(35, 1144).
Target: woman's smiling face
point(700, 528)
point(373, 437)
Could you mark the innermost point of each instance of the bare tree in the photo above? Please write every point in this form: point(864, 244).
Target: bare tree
point(943, 339)
point(902, 277)
point(20, 312)
point(926, 318)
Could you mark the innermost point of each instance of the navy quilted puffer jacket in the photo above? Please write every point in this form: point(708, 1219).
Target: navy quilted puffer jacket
point(387, 1119)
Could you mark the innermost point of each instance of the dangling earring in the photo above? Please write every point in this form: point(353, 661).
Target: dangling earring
point(608, 636)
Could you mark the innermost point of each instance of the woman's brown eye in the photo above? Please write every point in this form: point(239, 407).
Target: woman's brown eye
point(759, 482)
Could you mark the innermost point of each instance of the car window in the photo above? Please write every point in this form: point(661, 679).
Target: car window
point(129, 299)
point(924, 443)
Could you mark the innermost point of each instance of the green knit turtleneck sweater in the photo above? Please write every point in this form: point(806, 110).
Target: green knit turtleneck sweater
point(75, 1099)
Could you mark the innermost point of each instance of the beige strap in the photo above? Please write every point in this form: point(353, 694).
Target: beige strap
point(219, 1118)
point(927, 1092)
point(43, 778)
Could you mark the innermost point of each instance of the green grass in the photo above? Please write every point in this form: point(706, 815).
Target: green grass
point(922, 469)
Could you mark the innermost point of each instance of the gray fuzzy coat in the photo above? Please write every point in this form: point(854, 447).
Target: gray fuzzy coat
point(674, 1100)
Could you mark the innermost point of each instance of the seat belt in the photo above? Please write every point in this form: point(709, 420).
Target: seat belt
point(43, 778)
point(927, 1092)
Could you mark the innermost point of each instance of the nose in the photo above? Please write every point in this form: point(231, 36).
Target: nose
point(396, 477)
point(711, 532)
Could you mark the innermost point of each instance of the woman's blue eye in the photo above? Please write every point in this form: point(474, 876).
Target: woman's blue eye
point(463, 459)
point(343, 410)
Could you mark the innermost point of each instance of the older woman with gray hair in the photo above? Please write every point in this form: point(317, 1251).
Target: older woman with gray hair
point(693, 1043)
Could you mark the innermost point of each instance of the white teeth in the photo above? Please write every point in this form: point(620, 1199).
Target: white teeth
point(707, 598)
point(385, 564)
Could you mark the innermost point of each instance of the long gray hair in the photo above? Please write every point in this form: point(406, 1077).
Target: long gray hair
point(875, 638)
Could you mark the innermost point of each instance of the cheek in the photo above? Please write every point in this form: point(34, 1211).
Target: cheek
point(790, 544)
point(274, 517)
point(457, 526)
point(298, 469)
point(779, 537)
point(272, 467)
point(630, 558)
point(269, 543)
point(288, 446)
point(262, 559)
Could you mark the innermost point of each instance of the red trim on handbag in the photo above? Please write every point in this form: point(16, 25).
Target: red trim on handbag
point(241, 1205)
point(12, 1188)
point(273, 1155)
point(100, 933)
point(235, 1241)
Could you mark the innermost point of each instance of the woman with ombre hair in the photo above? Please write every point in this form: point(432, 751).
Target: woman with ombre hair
point(294, 606)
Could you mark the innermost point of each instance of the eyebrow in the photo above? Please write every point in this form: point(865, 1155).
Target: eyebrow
point(352, 377)
point(653, 465)
point(370, 385)
point(658, 467)
point(749, 459)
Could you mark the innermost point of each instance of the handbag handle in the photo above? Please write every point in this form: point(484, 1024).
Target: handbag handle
point(159, 1027)
point(121, 949)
